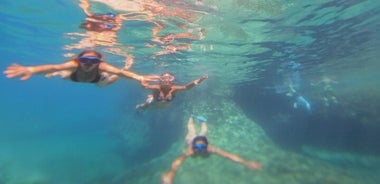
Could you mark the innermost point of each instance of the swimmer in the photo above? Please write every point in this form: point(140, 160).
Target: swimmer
point(165, 90)
point(198, 145)
point(87, 67)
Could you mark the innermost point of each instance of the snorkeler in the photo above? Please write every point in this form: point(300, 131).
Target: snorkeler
point(87, 67)
point(96, 25)
point(198, 145)
point(165, 90)
point(327, 84)
point(101, 29)
point(99, 22)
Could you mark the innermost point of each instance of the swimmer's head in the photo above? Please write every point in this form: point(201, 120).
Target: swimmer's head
point(90, 53)
point(89, 59)
point(199, 145)
point(104, 17)
point(97, 26)
point(167, 78)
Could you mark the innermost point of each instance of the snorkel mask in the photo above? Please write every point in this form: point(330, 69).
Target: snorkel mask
point(97, 26)
point(199, 144)
point(108, 26)
point(167, 78)
point(107, 16)
point(111, 15)
point(89, 60)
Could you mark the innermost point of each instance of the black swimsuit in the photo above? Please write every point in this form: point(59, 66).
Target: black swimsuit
point(158, 98)
point(74, 75)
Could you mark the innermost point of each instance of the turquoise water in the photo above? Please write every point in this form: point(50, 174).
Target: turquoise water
point(56, 131)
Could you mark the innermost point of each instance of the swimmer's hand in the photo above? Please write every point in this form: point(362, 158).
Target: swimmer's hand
point(253, 165)
point(196, 82)
point(16, 70)
point(167, 178)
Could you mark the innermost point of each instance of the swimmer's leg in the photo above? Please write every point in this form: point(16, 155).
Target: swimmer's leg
point(203, 129)
point(191, 131)
point(107, 79)
point(148, 101)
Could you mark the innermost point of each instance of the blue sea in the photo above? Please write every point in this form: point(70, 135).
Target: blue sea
point(292, 84)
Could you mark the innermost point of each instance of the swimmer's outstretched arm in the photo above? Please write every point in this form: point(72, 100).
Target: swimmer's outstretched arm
point(253, 165)
point(146, 84)
point(191, 84)
point(167, 178)
point(103, 66)
point(26, 72)
point(129, 60)
point(85, 5)
point(138, 16)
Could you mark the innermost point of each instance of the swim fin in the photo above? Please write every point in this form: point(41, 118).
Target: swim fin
point(199, 118)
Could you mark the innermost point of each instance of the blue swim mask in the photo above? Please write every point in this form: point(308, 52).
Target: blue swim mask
point(89, 60)
point(200, 147)
point(104, 16)
point(199, 144)
point(111, 15)
point(109, 26)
